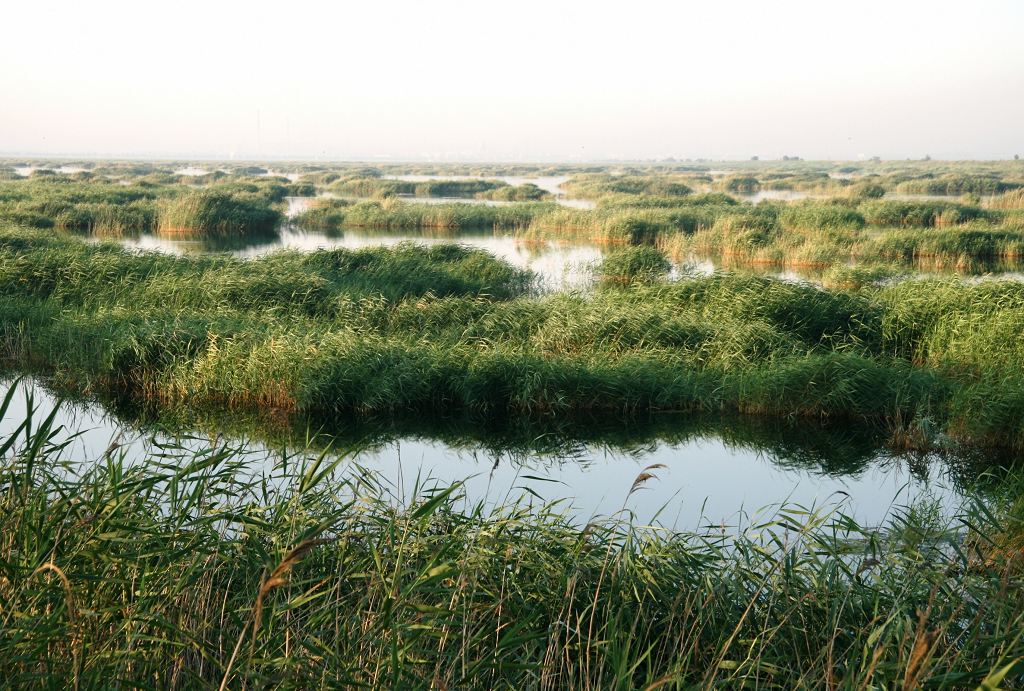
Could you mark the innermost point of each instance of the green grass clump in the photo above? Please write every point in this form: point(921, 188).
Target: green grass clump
point(965, 250)
point(633, 265)
point(527, 192)
point(264, 190)
point(324, 214)
point(154, 202)
point(93, 277)
point(957, 184)
point(645, 201)
point(89, 206)
point(457, 188)
point(926, 214)
point(821, 216)
point(216, 213)
point(866, 190)
point(858, 277)
point(375, 186)
point(109, 220)
point(396, 215)
point(597, 185)
point(322, 178)
point(301, 189)
point(379, 187)
point(204, 568)
point(740, 184)
point(26, 218)
point(618, 223)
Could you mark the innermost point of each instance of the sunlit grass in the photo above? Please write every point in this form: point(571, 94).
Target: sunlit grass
point(205, 568)
point(448, 329)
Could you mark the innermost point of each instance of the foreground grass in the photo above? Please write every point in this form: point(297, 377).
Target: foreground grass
point(204, 569)
point(449, 330)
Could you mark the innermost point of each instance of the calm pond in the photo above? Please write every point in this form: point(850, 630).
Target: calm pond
point(724, 474)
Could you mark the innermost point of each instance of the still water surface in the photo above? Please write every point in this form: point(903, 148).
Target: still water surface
point(558, 265)
point(725, 478)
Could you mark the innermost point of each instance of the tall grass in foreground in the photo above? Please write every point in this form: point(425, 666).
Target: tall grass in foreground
point(201, 569)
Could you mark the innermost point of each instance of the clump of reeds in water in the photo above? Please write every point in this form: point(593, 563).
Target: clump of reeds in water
point(217, 213)
point(393, 214)
point(323, 214)
point(740, 184)
point(379, 187)
point(957, 184)
point(198, 566)
point(918, 214)
point(600, 185)
point(527, 192)
point(628, 265)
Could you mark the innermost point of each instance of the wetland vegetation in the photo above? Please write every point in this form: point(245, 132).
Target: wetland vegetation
point(374, 186)
point(381, 330)
point(187, 570)
point(191, 566)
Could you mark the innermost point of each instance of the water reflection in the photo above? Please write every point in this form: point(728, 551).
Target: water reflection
point(776, 195)
point(715, 469)
point(558, 265)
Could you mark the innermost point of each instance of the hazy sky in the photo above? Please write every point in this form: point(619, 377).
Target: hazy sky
point(517, 80)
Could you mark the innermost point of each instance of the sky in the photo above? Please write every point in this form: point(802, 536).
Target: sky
point(518, 81)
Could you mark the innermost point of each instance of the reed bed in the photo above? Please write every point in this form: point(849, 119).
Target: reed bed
point(152, 203)
point(598, 185)
point(931, 235)
point(958, 184)
point(205, 568)
point(963, 250)
point(375, 186)
point(397, 215)
point(526, 192)
point(633, 265)
point(216, 213)
point(924, 234)
point(449, 330)
point(1008, 200)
